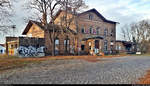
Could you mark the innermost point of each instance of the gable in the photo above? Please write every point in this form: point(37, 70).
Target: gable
point(33, 29)
point(29, 25)
point(97, 15)
point(92, 14)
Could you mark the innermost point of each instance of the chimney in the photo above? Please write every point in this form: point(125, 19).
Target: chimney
point(44, 17)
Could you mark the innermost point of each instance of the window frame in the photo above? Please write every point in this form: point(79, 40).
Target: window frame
point(97, 30)
point(90, 30)
point(105, 45)
point(105, 32)
point(90, 16)
point(83, 30)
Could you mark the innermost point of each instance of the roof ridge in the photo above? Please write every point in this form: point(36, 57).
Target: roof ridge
point(99, 15)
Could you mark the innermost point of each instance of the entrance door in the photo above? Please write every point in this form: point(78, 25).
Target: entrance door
point(96, 46)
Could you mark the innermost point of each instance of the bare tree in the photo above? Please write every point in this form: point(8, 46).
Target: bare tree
point(48, 9)
point(5, 14)
point(140, 31)
point(126, 33)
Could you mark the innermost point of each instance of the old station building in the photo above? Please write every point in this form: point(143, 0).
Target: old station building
point(91, 34)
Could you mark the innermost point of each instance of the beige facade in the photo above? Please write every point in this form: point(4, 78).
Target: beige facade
point(35, 31)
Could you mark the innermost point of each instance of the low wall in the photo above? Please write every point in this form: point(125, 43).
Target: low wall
point(31, 47)
point(25, 46)
point(31, 51)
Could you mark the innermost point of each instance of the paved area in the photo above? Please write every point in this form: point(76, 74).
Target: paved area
point(122, 70)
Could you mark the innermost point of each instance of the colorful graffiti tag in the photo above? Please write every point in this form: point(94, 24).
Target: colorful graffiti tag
point(31, 51)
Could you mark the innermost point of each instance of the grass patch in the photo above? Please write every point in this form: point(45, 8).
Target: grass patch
point(6, 56)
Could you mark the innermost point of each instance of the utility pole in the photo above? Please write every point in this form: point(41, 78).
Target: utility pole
point(13, 27)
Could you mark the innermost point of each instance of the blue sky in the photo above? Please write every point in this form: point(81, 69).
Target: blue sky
point(122, 11)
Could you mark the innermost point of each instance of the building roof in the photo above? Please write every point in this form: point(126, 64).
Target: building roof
point(91, 10)
point(39, 25)
point(99, 15)
point(3, 45)
point(31, 22)
point(125, 42)
point(95, 37)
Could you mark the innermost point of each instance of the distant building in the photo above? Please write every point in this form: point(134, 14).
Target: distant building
point(2, 48)
point(124, 46)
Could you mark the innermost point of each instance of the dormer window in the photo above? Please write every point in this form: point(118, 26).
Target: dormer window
point(90, 17)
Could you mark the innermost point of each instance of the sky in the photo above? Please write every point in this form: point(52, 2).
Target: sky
point(122, 11)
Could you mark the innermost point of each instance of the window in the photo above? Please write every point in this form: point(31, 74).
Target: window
point(111, 34)
point(82, 30)
point(67, 45)
point(105, 32)
point(105, 45)
point(90, 30)
point(112, 43)
point(94, 31)
point(56, 41)
point(82, 47)
point(97, 44)
point(86, 30)
point(56, 46)
point(1, 51)
point(90, 16)
point(11, 46)
point(15, 45)
point(97, 31)
point(63, 18)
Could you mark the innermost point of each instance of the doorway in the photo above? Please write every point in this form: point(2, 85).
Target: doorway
point(96, 46)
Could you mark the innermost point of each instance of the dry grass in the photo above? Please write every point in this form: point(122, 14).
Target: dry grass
point(145, 79)
point(11, 62)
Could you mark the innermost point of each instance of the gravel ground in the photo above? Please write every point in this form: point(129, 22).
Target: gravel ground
point(122, 70)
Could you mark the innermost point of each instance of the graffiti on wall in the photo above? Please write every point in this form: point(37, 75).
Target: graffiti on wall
point(31, 51)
